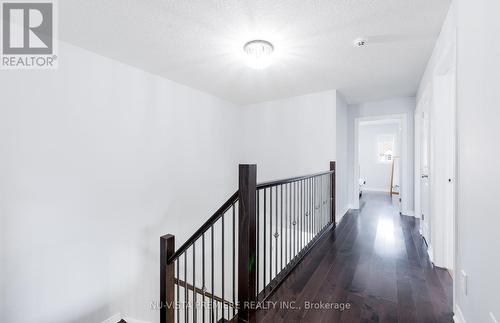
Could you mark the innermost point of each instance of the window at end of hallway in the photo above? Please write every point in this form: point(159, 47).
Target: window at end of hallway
point(385, 148)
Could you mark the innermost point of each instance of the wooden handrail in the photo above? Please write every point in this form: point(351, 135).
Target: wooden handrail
point(291, 180)
point(233, 199)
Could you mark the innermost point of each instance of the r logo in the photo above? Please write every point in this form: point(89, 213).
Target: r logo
point(27, 28)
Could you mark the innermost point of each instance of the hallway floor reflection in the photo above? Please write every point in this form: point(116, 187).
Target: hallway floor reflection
point(376, 261)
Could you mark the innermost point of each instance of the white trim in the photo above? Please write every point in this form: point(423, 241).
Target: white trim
point(129, 319)
point(342, 213)
point(430, 252)
point(403, 118)
point(375, 189)
point(119, 316)
point(113, 319)
point(408, 213)
point(458, 317)
point(493, 319)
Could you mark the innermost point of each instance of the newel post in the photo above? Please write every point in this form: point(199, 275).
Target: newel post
point(332, 192)
point(247, 288)
point(167, 301)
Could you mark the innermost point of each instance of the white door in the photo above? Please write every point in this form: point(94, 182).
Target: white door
point(450, 146)
point(443, 168)
point(425, 205)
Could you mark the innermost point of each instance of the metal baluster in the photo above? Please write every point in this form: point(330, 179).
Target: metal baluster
point(319, 205)
point(314, 207)
point(293, 221)
point(306, 211)
point(222, 271)
point(308, 207)
point(257, 253)
point(186, 315)
point(203, 287)
point(287, 213)
point(234, 258)
point(301, 215)
point(328, 188)
point(296, 218)
point(325, 192)
point(276, 235)
point(297, 198)
point(290, 218)
point(311, 208)
point(327, 199)
point(178, 294)
point(194, 283)
point(281, 236)
point(212, 319)
point(270, 235)
point(318, 197)
point(325, 202)
point(264, 236)
point(322, 203)
point(329, 183)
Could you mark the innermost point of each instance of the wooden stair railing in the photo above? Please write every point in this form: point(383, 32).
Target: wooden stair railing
point(220, 275)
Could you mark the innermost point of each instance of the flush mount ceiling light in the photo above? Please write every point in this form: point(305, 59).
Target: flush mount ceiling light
point(258, 53)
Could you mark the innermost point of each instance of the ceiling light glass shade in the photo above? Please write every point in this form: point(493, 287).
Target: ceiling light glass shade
point(258, 53)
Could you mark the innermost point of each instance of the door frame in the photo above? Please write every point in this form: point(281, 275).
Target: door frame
point(441, 250)
point(446, 64)
point(405, 163)
point(424, 106)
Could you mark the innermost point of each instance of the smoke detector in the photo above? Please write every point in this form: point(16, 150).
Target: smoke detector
point(360, 42)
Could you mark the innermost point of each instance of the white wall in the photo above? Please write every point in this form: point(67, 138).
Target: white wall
point(445, 41)
point(97, 160)
point(342, 165)
point(290, 137)
point(376, 174)
point(478, 114)
point(404, 105)
point(471, 23)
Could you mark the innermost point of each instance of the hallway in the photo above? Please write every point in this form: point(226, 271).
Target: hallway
point(376, 263)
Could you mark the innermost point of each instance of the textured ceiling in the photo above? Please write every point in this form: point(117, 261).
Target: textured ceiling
point(199, 43)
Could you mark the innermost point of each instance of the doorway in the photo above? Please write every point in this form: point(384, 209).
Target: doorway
point(381, 158)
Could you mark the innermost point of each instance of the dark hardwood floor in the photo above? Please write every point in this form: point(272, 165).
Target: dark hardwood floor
point(375, 261)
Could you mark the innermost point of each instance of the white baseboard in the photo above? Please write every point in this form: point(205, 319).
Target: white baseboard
point(119, 316)
point(129, 319)
point(408, 212)
point(375, 189)
point(458, 317)
point(113, 319)
point(342, 213)
point(430, 252)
